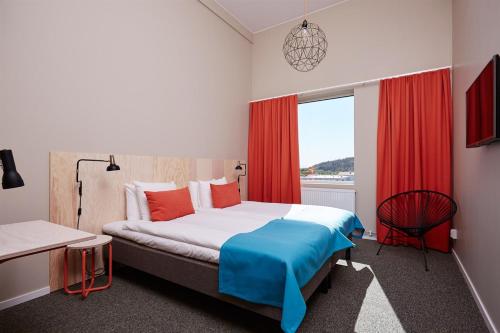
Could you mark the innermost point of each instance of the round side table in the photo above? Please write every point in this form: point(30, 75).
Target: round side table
point(100, 240)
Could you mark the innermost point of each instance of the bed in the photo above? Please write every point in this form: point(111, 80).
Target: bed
point(186, 251)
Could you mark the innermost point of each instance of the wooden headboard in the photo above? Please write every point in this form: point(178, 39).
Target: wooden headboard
point(104, 195)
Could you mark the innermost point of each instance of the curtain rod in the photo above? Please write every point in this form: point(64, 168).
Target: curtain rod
point(349, 85)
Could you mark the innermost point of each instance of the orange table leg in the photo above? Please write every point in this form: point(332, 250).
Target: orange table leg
point(84, 273)
point(85, 291)
point(66, 265)
point(110, 269)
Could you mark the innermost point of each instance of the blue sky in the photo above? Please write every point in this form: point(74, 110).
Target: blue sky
point(326, 130)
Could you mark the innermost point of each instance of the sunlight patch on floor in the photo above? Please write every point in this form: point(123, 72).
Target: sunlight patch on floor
point(355, 265)
point(376, 313)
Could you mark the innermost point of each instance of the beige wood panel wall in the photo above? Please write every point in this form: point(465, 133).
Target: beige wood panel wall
point(104, 195)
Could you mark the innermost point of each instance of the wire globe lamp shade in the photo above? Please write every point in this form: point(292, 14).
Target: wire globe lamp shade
point(305, 46)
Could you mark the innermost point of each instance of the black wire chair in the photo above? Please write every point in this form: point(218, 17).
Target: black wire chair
point(414, 213)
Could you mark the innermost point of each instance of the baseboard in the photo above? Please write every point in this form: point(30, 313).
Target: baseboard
point(486, 316)
point(24, 297)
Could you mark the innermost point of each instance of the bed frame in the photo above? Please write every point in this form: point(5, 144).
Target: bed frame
point(107, 203)
point(202, 276)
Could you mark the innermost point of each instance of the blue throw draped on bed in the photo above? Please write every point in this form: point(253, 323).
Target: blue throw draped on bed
point(271, 264)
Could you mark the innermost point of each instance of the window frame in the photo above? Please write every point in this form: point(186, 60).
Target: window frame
point(311, 98)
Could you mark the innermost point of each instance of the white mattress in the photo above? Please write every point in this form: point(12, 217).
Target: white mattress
point(201, 235)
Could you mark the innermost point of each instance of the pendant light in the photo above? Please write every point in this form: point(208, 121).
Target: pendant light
point(305, 46)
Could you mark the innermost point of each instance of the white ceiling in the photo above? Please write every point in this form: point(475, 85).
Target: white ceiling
point(258, 15)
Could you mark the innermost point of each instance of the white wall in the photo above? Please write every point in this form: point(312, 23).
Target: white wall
point(367, 40)
point(365, 149)
point(476, 27)
point(124, 76)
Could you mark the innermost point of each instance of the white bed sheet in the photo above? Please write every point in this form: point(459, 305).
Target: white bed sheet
point(163, 244)
point(209, 228)
point(198, 236)
point(201, 235)
point(271, 210)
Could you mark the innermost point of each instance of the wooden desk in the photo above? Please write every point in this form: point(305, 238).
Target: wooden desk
point(27, 238)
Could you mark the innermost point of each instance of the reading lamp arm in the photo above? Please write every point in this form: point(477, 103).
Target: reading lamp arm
point(86, 160)
point(80, 186)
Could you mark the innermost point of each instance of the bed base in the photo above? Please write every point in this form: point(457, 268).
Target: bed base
point(347, 251)
point(202, 276)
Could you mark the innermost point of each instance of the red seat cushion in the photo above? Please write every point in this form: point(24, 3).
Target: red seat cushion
point(226, 195)
point(169, 205)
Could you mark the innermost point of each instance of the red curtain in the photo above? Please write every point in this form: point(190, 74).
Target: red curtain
point(273, 151)
point(414, 143)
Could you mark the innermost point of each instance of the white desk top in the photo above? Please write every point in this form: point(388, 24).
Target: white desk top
point(25, 238)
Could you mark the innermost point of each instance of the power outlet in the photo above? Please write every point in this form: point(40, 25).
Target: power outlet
point(454, 234)
point(370, 234)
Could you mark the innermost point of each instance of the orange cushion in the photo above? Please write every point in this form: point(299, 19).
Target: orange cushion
point(226, 195)
point(169, 205)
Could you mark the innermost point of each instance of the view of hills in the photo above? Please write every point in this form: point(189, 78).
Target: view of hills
point(330, 167)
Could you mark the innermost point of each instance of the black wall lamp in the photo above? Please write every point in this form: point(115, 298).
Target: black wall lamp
point(11, 178)
point(111, 167)
point(239, 168)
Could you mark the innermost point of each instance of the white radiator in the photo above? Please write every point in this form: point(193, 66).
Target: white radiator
point(338, 198)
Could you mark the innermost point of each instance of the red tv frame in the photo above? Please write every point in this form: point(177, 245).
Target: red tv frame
point(483, 106)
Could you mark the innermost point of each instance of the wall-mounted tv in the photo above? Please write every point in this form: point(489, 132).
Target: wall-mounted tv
point(483, 106)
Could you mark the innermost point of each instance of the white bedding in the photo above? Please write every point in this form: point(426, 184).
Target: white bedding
point(273, 210)
point(201, 235)
point(208, 228)
point(163, 244)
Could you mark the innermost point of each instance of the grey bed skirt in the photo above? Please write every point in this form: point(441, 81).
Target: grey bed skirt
point(202, 276)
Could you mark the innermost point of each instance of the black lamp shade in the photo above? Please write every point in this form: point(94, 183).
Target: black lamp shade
point(11, 178)
point(238, 167)
point(112, 165)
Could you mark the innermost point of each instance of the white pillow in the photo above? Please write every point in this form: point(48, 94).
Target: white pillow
point(194, 191)
point(205, 193)
point(141, 187)
point(133, 212)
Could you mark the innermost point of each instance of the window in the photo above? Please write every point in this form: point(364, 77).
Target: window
point(326, 141)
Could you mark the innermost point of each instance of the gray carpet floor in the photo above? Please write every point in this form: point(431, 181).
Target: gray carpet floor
point(386, 293)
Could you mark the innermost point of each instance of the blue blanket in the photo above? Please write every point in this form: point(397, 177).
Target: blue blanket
point(271, 264)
